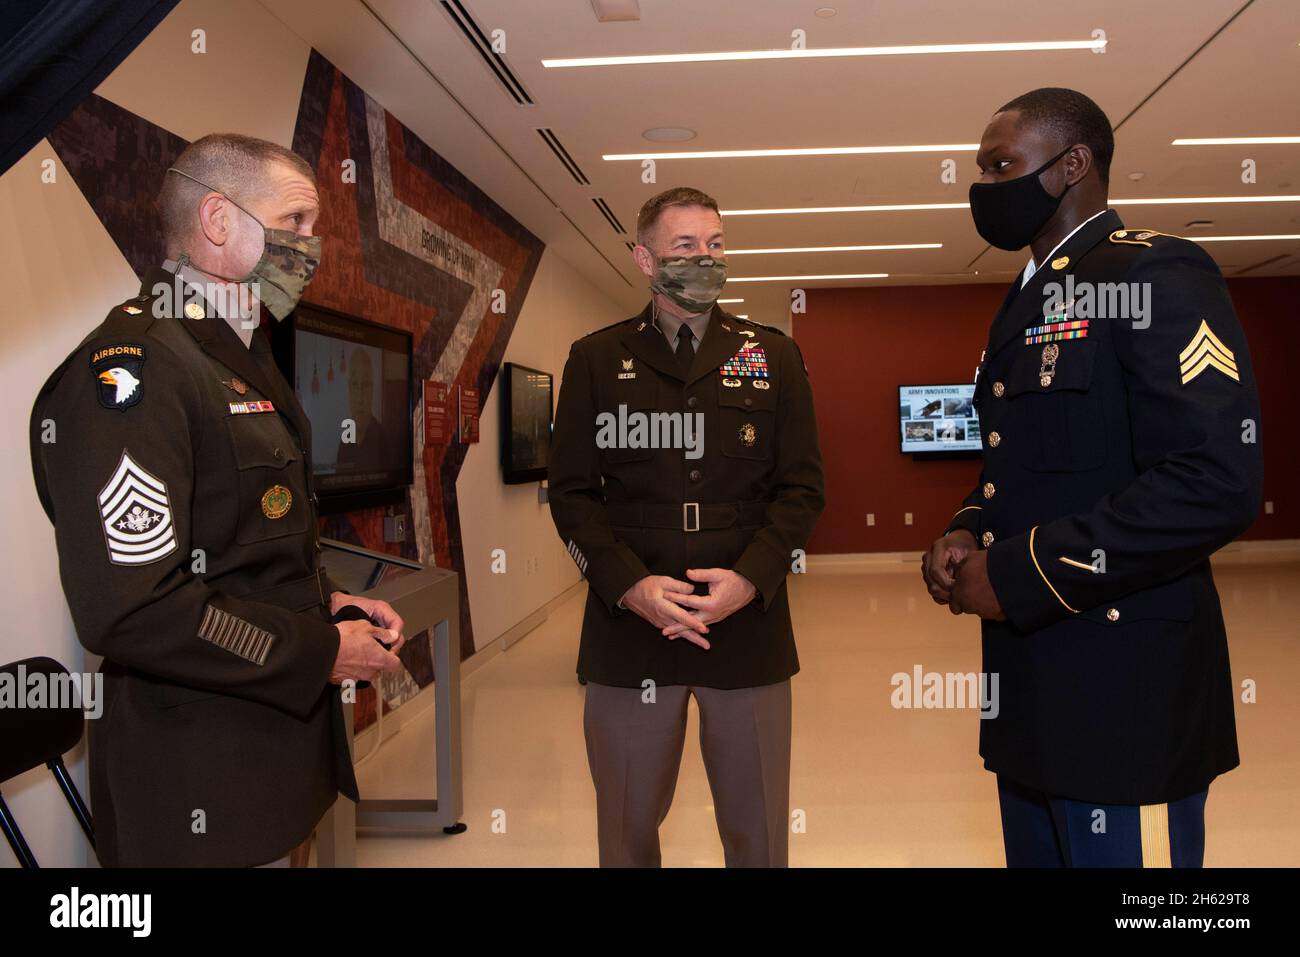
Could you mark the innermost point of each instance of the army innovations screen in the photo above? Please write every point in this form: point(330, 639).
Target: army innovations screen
point(353, 379)
point(938, 418)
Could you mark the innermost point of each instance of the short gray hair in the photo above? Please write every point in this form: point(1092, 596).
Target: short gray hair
point(230, 163)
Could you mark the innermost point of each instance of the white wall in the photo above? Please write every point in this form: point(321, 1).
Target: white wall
point(561, 307)
point(61, 275)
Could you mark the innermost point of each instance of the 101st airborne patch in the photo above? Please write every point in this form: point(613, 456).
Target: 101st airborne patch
point(119, 373)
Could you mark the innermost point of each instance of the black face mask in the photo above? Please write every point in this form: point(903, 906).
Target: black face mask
point(1009, 215)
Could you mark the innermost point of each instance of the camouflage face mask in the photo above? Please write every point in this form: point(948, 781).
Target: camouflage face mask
point(287, 265)
point(693, 282)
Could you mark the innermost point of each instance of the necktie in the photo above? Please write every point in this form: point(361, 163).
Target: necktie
point(684, 351)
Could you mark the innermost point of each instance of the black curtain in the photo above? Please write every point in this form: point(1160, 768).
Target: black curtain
point(55, 52)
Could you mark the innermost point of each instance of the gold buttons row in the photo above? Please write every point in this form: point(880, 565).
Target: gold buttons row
point(989, 490)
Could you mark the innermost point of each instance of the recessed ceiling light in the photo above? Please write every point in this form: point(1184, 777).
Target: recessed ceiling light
point(853, 275)
point(668, 134)
point(1185, 200)
point(832, 249)
point(804, 151)
point(923, 49)
point(1136, 176)
point(824, 12)
point(1199, 224)
point(1236, 141)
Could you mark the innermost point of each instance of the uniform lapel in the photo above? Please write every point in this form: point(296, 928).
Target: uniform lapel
point(1025, 308)
point(218, 340)
point(721, 342)
point(647, 343)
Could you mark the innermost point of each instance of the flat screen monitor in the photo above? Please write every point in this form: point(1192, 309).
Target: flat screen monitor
point(353, 379)
point(526, 403)
point(938, 418)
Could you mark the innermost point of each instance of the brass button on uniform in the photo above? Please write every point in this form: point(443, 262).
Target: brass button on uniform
point(998, 389)
point(691, 402)
point(1112, 614)
point(994, 440)
point(989, 490)
point(987, 539)
point(279, 453)
point(748, 402)
point(695, 475)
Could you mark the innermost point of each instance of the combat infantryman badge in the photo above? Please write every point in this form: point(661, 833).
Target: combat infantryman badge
point(276, 501)
point(748, 434)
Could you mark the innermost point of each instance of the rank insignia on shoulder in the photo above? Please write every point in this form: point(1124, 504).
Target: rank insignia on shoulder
point(136, 515)
point(131, 310)
point(746, 332)
point(119, 373)
point(249, 408)
point(1135, 237)
point(1207, 351)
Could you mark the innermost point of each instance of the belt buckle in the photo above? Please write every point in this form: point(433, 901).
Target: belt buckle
point(686, 520)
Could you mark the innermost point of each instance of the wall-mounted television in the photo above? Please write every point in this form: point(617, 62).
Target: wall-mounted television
point(353, 379)
point(938, 419)
point(526, 404)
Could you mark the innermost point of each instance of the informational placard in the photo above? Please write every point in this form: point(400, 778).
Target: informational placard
point(437, 413)
point(469, 412)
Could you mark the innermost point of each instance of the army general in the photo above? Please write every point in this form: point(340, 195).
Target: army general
point(684, 479)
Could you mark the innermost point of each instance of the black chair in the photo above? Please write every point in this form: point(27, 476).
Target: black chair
point(30, 737)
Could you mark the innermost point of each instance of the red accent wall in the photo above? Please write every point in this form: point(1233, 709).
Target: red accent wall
point(860, 344)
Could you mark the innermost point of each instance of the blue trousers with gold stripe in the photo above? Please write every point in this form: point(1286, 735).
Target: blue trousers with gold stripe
point(1042, 830)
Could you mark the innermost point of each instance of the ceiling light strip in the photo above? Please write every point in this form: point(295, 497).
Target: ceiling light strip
point(923, 49)
point(808, 151)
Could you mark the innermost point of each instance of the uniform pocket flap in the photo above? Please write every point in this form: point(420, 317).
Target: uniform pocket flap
point(261, 441)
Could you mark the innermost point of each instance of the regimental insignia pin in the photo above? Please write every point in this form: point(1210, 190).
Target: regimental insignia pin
point(748, 434)
point(194, 311)
point(1051, 352)
point(132, 310)
point(725, 327)
point(276, 501)
point(745, 332)
point(1060, 262)
point(731, 383)
point(627, 365)
point(627, 372)
point(235, 383)
point(761, 384)
point(640, 327)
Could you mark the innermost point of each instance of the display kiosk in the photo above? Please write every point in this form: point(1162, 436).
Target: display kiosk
point(428, 599)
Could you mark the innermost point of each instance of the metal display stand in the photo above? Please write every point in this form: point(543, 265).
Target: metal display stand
point(426, 598)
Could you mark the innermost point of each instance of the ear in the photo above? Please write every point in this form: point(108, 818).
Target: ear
point(214, 218)
point(644, 259)
point(1078, 163)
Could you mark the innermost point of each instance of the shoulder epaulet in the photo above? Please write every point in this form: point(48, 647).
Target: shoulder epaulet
point(1136, 237)
point(612, 325)
point(751, 322)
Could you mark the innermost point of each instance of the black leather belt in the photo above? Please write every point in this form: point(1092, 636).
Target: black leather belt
point(687, 516)
point(297, 595)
